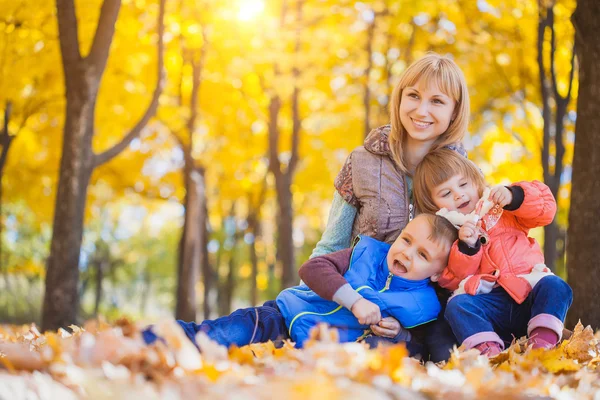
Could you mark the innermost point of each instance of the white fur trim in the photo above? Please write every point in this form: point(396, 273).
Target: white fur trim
point(538, 272)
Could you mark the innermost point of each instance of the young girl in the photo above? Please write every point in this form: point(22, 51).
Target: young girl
point(429, 109)
point(509, 292)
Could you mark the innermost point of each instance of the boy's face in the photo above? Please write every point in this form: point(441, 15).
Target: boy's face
point(414, 255)
point(456, 194)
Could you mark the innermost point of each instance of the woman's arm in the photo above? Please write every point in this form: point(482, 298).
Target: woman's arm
point(338, 233)
point(324, 275)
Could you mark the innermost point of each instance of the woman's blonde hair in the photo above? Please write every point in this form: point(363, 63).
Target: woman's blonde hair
point(437, 167)
point(432, 68)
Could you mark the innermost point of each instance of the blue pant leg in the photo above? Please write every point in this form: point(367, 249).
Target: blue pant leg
point(551, 295)
point(438, 338)
point(241, 327)
point(477, 318)
point(247, 325)
point(546, 306)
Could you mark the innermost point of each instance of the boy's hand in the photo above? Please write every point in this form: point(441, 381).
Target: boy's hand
point(501, 195)
point(388, 327)
point(468, 233)
point(366, 312)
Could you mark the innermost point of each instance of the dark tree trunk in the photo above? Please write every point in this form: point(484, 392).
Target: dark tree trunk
point(205, 267)
point(61, 300)
point(82, 80)
point(254, 229)
point(584, 229)
point(368, 68)
point(283, 179)
point(101, 267)
point(147, 289)
point(5, 140)
point(193, 253)
point(227, 288)
point(553, 132)
point(191, 243)
point(285, 240)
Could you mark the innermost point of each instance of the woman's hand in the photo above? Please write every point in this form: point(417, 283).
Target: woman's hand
point(366, 312)
point(388, 327)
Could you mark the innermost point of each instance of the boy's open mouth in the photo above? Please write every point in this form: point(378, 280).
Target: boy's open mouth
point(399, 267)
point(463, 205)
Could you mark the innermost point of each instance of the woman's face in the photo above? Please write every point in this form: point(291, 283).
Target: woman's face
point(425, 111)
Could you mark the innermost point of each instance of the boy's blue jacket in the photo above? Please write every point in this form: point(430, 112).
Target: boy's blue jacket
point(412, 303)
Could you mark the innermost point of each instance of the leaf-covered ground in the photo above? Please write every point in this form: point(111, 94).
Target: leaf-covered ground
point(100, 361)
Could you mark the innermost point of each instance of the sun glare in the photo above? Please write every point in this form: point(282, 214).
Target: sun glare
point(250, 9)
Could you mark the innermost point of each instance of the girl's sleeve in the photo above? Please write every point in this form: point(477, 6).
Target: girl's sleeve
point(538, 206)
point(338, 233)
point(463, 261)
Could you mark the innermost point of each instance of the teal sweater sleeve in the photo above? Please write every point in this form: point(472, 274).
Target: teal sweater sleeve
point(338, 233)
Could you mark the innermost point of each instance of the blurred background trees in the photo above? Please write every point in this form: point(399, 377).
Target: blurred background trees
point(213, 199)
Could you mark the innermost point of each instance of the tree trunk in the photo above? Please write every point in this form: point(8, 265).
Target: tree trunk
point(205, 267)
point(229, 286)
point(367, 73)
point(553, 130)
point(253, 227)
point(284, 179)
point(101, 266)
point(191, 244)
point(5, 140)
point(61, 301)
point(285, 240)
point(551, 236)
point(584, 230)
point(82, 80)
point(147, 289)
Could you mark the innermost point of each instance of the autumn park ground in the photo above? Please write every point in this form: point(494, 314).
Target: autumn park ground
point(101, 361)
point(162, 156)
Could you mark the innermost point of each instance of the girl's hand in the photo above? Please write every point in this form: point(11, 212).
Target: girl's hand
point(468, 233)
point(388, 327)
point(501, 195)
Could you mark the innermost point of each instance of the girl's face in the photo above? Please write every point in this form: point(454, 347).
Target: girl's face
point(456, 194)
point(425, 111)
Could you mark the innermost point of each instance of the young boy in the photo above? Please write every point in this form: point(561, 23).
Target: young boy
point(350, 290)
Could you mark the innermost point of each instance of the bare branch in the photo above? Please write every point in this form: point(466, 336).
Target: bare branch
point(546, 113)
point(366, 73)
point(102, 158)
point(550, 19)
point(103, 37)
point(274, 164)
point(5, 139)
point(571, 74)
point(296, 120)
point(69, 37)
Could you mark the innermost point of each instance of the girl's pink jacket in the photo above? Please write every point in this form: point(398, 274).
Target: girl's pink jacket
point(509, 252)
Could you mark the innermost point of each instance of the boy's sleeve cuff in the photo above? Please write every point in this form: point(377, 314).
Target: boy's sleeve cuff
point(466, 249)
point(403, 336)
point(518, 197)
point(346, 296)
